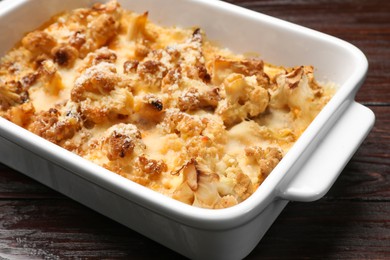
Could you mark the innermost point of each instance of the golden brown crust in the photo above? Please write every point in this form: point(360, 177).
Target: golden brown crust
point(65, 55)
point(55, 127)
point(119, 146)
point(39, 42)
point(151, 167)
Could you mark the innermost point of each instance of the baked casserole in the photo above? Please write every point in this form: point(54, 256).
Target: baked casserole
point(162, 106)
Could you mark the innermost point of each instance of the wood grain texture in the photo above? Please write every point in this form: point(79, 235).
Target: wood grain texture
point(328, 230)
point(351, 222)
point(61, 228)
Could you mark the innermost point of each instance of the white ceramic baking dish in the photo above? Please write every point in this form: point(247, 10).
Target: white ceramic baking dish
point(305, 174)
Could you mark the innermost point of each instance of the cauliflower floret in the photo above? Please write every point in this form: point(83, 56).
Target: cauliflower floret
point(95, 81)
point(163, 68)
point(103, 27)
point(118, 146)
point(266, 159)
point(298, 91)
point(192, 60)
point(244, 187)
point(151, 167)
point(188, 126)
point(51, 77)
point(122, 150)
point(242, 98)
point(150, 73)
point(223, 67)
point(234, 182)
point(102, 93)
point(55, 125)
point(185, 58)
point(10, 94)
point(65, 55)
point(103, 54)
point(202, 188)
point(20, 115)
point(123, 140)
point(90, 29)
point(39, 42)
point(118, 103)
point(198, 188)
point(194, 99)
point(206, 196)
point(183, 124)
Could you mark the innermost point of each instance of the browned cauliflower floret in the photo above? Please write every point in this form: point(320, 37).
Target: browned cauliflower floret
point(118, 146)
point(28, 80)
point(266, 159)
point(242, 98)
point(146, 171)
point(39, 42)
point(103, 54)
point(299, 92)
point(193, 61)
point(193, 99)
point(96, 80)
point(115, 105)
point(20, 115)
point(223, 67)
point(65, 55)
point(44, 121)
point(103, 28)
point(151, 73)
point(166, 67)
point(152, 168)
point(77, 39)
point(188, 126)
point(172, 80)
point(102, 93)
point(118, 149)
point(123, 141)
point(183, 124)
point(187, 59)
point(91, 29)
point(49, 74)
point(11, 94)
point(57, 126)
point(130, 66)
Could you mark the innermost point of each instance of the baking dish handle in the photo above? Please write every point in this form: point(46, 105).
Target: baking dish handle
point(317, 175)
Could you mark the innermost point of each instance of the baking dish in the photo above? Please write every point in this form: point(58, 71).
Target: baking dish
point(305, 174)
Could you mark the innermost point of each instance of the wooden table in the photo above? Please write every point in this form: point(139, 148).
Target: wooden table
point(351, 221)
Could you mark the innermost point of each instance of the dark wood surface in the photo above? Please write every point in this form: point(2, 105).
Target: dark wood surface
point(351, 222)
